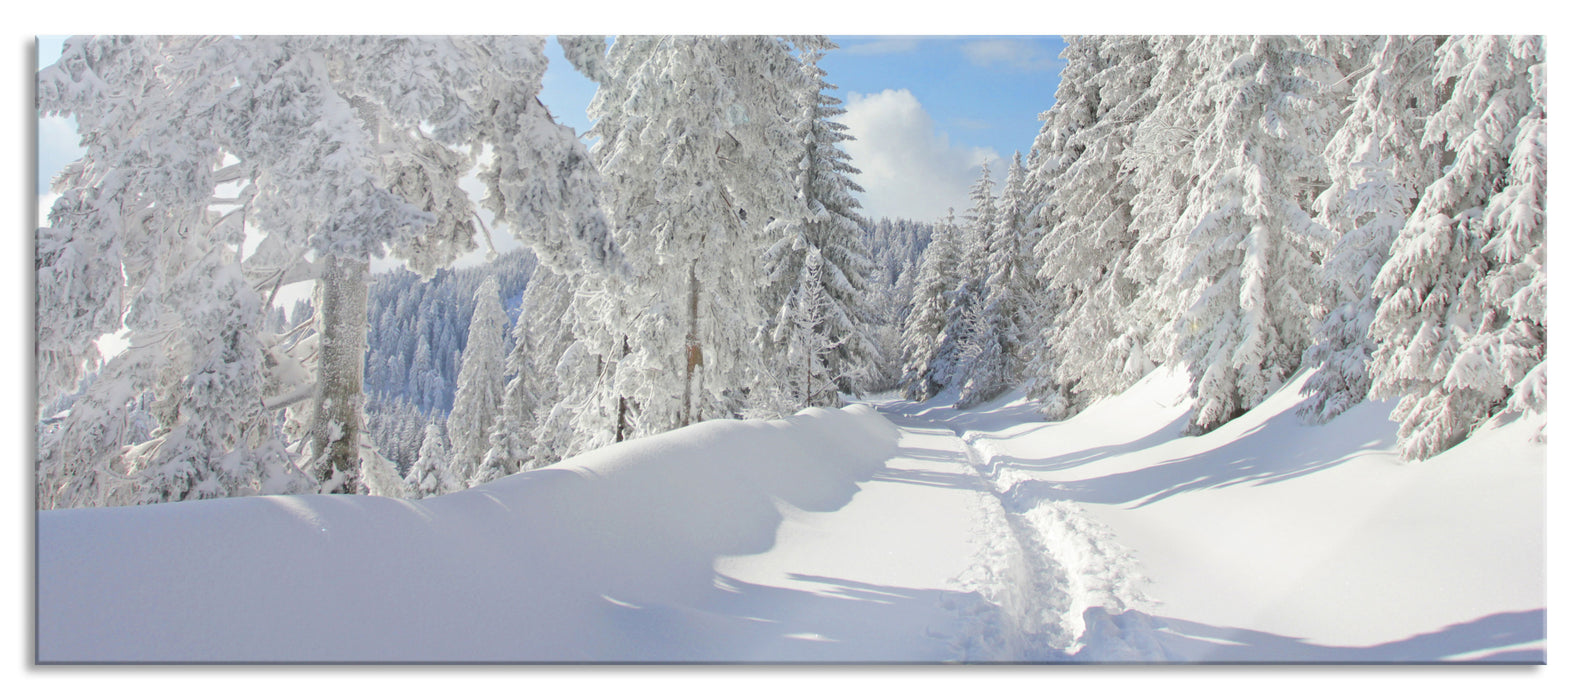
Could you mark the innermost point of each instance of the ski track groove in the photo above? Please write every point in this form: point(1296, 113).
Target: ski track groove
point(1057, 586)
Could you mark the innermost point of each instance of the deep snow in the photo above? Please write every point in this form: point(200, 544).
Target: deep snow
point(1272, 540)
point(935, 535)
point(605, 557)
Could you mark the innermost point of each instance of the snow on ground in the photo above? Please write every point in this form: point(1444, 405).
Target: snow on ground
point(605, 557)
point(1271, 540)
point(935, 535)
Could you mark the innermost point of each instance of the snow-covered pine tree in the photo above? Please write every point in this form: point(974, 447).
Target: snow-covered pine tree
point(339, 149)
point(1252, 248)
point(926, 371)
point(891, 302)
point(1096, 344)
point(518, 428)
point(1341, 348)
point(219, 442)
point(1515, 333)
point(143, 200)
point(896, 247)
point(1377, 163)
point(499, 460)
point(585, 53)
point(430, 475)
point(1056, 148)
point(807, 380)
point(684, 128)
point(1005, 324)
point(1461, 321)
point(1175, 111)
point(480, 385)
point(817, 269)
point(964, 316)
point(544, 304)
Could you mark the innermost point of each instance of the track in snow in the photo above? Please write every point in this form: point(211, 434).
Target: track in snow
point(1055, 582)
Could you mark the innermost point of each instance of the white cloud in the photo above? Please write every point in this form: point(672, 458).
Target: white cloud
point(1018, 54)
point(909, 167)
point(45, 201)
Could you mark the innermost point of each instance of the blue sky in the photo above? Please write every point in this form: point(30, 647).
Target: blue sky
point(926, 111)
point(985, 91)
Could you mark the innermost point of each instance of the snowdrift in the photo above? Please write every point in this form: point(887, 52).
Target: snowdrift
point(598, 558)
point(1269, 540)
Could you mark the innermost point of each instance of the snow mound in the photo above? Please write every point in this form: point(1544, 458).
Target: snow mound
point(603, 557)
point(1270, 540)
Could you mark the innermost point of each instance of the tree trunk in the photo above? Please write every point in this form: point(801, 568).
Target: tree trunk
point(337, 424)
point(621, 406)
point(694, 349)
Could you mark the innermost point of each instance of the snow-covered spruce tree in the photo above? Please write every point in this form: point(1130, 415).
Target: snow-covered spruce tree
point(1096, 344)
point(340, 149)
point(817, 269)
point(518, 427)
point(964, 316)
point(540, 336)
point(138, 238)
point(430, 475)
point(1005, 325)
point(896, 248)
point(567, 386)
point(1175, 111)
point(1377, 165)
point(891, 302)
point(927, 371)
point(800, 338)
point(500, 459)
point(1461, 321)
point(585, 53)
point(1252, 249)
point(480, 385)
point(1055, 149)
point(219, 442)
point(684, 128)
point(1341, 348)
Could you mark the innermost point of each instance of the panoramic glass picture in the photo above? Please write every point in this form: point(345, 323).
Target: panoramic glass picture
point(791, 349)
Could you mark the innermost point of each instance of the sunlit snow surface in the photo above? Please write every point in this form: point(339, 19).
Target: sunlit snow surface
point(1269, 540)
point(915, 533)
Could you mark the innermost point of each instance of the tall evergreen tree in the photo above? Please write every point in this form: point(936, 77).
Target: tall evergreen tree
point(1097, 342)
point(1378, 164)
point(1251, 260)
point(684, 127)
point(817, 265)
point(896, 247)
point(1005, 323)
point(1461, 322)
point(340, 149)
point(964, 316)
point(480, 385)
point(927, 370)
point(1179, 108)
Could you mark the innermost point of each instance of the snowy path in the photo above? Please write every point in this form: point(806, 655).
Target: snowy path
point(954, 568)
point(1044, 570)
point(914, 533)
point(885, 570)
point(1272, 540)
